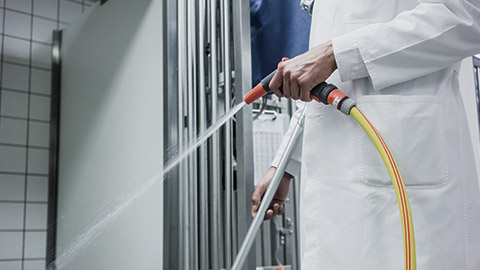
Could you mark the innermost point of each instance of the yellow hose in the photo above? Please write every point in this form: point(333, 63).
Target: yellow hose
point(398, 185)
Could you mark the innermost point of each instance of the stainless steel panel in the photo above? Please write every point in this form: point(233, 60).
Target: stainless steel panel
point(202, 168)
point(225, 11)
point(172, 249)
point(215, 165)
point(244, 130)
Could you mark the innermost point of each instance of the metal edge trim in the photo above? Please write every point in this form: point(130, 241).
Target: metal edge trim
point(54, 151)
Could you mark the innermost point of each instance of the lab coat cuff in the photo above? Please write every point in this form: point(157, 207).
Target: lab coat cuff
point(293, 167)
point(349, 60)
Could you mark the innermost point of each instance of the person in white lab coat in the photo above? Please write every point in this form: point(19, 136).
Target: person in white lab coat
point(399, 59)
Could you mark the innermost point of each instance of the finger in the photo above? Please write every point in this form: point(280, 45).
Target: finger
point(295, 88)
point(277, 81)
point(276, 209)
point(305, 95)
point(286, 85)
point(254, 208)
point(268, 214)
point(304, 91)
point(307, 83)
point(280, 91)
point(281, 87)
point(281, 210)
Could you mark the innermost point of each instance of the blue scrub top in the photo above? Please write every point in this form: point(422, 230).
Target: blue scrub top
point(279, 28)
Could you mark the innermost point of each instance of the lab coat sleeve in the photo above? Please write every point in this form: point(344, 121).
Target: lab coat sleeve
point(294, 164)
point(430, 37)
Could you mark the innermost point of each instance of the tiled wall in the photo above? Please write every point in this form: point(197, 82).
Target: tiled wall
point(25, 62)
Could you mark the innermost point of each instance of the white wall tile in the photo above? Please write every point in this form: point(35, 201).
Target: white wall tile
point(37, 161)
point(12, 187)
point(35, 244)
point(40, 108)
point(34, 265)
point(69, 10)
point(13, 131)
point(12, 216)
point(15, 265)
point(37, 189)
point(46, 8)
point(20, 5)
point(17, 24)
point(42, 29)
point(12, 159)
point(16, 50)
point(14, 104)
point(41, 55)
point(41, 81)
point(15, 77)
point(36, 217)
point(11, 245)
point(39, 134)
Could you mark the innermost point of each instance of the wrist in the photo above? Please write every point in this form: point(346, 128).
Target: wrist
point(287, 175)
point(331, 56)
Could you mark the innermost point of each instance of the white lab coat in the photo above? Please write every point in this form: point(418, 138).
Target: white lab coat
point(399, 60)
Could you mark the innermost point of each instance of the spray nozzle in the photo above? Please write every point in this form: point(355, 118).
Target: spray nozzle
point(260, 90)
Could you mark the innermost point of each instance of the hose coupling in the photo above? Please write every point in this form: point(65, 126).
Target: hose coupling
point(329, 94)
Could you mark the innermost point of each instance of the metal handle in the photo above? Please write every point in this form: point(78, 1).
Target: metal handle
point(268, 196)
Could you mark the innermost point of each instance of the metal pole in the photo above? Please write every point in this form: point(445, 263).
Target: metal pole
point(54, 151)
point(296, 223)
point(225, 6)
point(192, 123)
point(268, 196)
point(183, 198)
point(215, 217)
point(202, 176)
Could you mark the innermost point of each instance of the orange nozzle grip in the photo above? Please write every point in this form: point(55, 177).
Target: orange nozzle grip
point(254, 94)
point(315, 98)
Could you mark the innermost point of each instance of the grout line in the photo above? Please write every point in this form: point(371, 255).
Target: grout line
point(24, 119)
point(23, 202)
point(1, 58)
point(31, 14)
point(25, 92)
point(20, 230)
point(24, 146)
point(19, 259)
point(23, 173)
point(25, 65)
point(58, 15)
point(26, 39)
point(82, 2)
point(29, 102)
